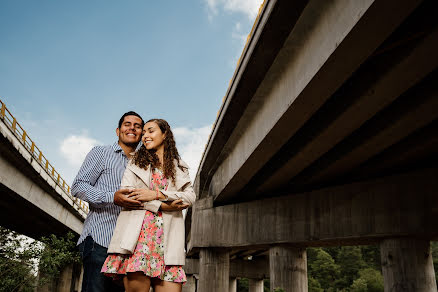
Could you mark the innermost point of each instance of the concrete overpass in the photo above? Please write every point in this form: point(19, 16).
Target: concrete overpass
point(327, 135)
point(35, 200)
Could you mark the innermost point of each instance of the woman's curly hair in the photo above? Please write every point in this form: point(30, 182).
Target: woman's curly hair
point(144, 158)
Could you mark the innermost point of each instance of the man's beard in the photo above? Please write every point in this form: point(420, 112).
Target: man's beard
point(132, 144)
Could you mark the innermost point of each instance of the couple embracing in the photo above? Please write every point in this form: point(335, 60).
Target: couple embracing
point(134, 232)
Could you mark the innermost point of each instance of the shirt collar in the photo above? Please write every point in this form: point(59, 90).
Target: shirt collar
point(116, 147)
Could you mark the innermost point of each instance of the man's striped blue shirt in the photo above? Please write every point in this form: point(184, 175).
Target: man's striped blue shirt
point(98, 179)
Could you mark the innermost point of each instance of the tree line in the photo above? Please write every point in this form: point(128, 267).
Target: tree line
point(25, 264)
point(344, 269)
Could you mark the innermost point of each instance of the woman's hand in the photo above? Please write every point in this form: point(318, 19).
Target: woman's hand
point(143, 195)
point(176, 205)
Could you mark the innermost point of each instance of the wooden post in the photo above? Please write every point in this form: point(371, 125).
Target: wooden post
point(214, 270)
point(288, 269)
point(407, 265)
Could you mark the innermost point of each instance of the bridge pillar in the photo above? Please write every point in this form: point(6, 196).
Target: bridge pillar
point(256, 285)
point(407, 265)
point(233, 285)
point(70, 279)
point(214, 270)
point(190, 285)
point(288, 269)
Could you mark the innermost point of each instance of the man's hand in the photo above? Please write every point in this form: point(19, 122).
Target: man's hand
point(176, 205)
point(121, 199)
point(143, 195)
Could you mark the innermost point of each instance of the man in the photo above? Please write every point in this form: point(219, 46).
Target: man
point(98, 183)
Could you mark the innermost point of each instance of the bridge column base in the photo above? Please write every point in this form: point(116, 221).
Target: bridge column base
point(288, 269)
point(256, 285)
point(407, 265)
point(214, 270)
point(233, 285)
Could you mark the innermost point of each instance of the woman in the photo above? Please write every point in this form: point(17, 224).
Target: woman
point(147, 247)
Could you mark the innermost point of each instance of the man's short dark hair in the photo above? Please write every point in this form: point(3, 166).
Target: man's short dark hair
point(130, 113)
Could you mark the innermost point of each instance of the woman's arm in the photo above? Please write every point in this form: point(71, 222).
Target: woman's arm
point(176, 205)
point(145, 195)
point(185, 193)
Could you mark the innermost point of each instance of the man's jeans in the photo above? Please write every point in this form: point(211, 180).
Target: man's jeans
point(93, 257)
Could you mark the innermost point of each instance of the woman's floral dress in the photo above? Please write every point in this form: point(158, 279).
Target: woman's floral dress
point(148, 256)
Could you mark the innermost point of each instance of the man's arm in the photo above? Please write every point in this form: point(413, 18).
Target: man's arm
point(90, 171)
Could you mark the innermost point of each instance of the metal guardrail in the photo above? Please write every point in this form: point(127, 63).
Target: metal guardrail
point(11, 122)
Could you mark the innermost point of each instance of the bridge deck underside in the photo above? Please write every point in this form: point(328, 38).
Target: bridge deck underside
point(22, 216)
point(30, 204)
point(365, 114)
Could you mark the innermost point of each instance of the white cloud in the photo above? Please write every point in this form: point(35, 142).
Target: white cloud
point(248, 7)
point(238, 35)
point(191, 144)
point(240, 30)
point(74, 148)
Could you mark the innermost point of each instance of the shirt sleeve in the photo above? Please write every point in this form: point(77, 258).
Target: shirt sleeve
point(83, 186)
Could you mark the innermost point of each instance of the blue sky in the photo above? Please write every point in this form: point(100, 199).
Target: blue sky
point(70, 69)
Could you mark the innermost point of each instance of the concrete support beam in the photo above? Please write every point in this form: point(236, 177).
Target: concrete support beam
point(288, 269)
point(256, 285)
point(233, 285)
point(214, 266)
point(407, 265)
point(258, 268)
point(392, 206)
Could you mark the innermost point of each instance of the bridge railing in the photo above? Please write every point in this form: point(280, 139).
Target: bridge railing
point(11, 122)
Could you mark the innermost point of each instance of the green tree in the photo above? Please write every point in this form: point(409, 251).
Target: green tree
point(314, 285)
point(322, 267)
point(371, 256)
point(434, 248)
point(372, 279)
point(350, 262)
point(242, 285)
point(21, 257)
point(18, 260)
point(359, 285)
point(58, 253)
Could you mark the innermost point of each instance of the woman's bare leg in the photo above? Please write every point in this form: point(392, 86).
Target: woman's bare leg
point(165, 286)
point(136, 282)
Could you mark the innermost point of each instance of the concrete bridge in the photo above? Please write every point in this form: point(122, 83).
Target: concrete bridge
point(35, 200)
point(327, 135)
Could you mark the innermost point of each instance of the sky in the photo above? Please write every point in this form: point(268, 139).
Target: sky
point(70, 69)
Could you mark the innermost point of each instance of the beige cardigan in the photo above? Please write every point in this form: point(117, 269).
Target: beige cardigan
point(129, 222)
